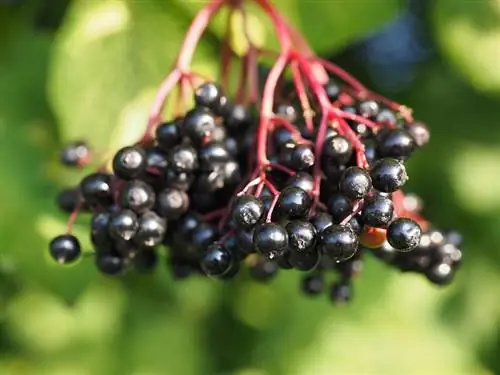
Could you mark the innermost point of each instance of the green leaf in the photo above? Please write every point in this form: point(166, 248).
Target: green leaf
point(469, 35)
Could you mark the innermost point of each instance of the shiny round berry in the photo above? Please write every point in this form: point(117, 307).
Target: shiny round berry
point(156, 159)
point(449, 253)
point(368, 108)
point(216, 261)
point(172, 203)
point(440, 274)
point(264, 270)
point(247, 211)
point(301, 236)
point(455, 238)
point(339, 207)
point(293, 203)
point(168, 135)
point(65, 249)
point(301, 180)
point(282, 137)
point(151, 230)
point(337, 149)
point(244, 240)
point(386, 117)
point(99, 231)
point(75, 154)
point(238, 119)
point(287, 112)
point(304, 261)
point(355, 183)
point(338, 242)
point(96, 189)
point(332, 90)
point(208, 95)
point(183, 159)
point(320, 221)
point(419, 132)
point(270, 239)
point(123, 225)
point(110, 264)
point(388, 175)
point(341, 293)
point(301, 157)
point(201, 237)
point(130, 162)
point(137, 196)
point(199, 125)
point(313, 285)
point(178, 180)
point(397, 143)
point(69, 199)
point(377, 211)
point(404, 234)
point(212, 154)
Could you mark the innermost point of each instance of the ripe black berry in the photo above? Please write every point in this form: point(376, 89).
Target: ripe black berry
point(304, 261)
point(419, 132)
point(386, 117)
point(301, 236)
point(168, 135)
point(270, 239)
point(96, 189)
point(151, 230)
point(337, 149)
point(320, 221)
point(293, 203)
point(377, 211)
point(301, 157)
point(247, 211)
point(341, 292)
point(69, 199)
point(339, 242)
point(110, 264)
point(397, 143)
point(130, 162)
point(282, 137)
point(208, 95)
point(199, 124)
point(183, 159)
point(388, 175)
point(178, 180)
point(404, 234)
point(75, 154)
point(368, 108)
point(65, 249)
point(313, 285)
point(301, 180)
point(211, 155)
point(172, 203)
point(440, 274)
point(332, 89)
point(244, 240)
point(123, 225)
point(216, 261)
point(137, 196)
point(355, 183)
point(99, 231)
point(339, 207)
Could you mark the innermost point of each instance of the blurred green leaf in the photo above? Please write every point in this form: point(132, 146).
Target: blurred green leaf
point(469, 34)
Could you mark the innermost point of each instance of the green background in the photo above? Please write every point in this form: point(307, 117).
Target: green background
point(95, 77)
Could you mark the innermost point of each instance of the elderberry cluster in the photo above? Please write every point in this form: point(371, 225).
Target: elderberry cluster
point(191, 189)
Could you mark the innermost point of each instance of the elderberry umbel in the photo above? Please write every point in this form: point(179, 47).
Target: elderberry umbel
point(302, 176)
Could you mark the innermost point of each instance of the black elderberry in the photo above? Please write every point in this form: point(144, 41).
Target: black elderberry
point(123, 225)
point(247, 211)
point(368, 108)
point(96, 189)
point(377, 211)
point(99, 231)
point(183, 159)
point(385, 252)
point(156, 160)
point(293, 203)
point(304, 261)
point(110, 264)
point(283, 262)
point(388, 175)
point(339, 242)
point(320, 221)
point(313, 285)
point(201, 237)
point(130, 162)
point(199, 125)
point(454, 238)
point(355, 183)
point(211, 155)
point(75, 154)
point(178, 180)
point(440, 274)
point(270, 239)
point(146, 260)
point(302, 180)
point(301, 236)
point(69, 199)
point(339, 207)
point(168, 135)
point(404, 234)
point(244, 240)
point(264, 270)
point(137, 196)
point(397, 143)
point(355, 224)
point(65, 249)
point(337, 149)
point(332, 89)
point(386, 117)
point(172, 203)
point(238, 119)
point(341, 292)
point(419, 132)
point(216, 261)
point(208, 95)
point(301, 157)
point(151, 230)
point(287, 112)
point(282, 137)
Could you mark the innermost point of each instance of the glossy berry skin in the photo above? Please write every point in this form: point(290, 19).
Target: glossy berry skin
point(65, 249)
point(75, 154)
point(130, 162)
point(377, 211)
point(264, 270)
point(388, 175)
point(386, 117)
point(216, 261)
point(151, 230)
point(244, 240)
point(301, 180)
point(313, 285)
point(168, 135)
point(440, 274)
point(238, 119)
point(183, 159)
point(200, 238)
point(208, 95)
point(123, 225)
point(137, 196)
point(293, 203)
point(404, 234)
point(247, 211)
point(172, 203)
point(156, 159)
point(282, 137)
point(96, 189)
point(304, 261)
point(419, 132)
point(301, 158)
point(368, 108)
point(212, 154)
point(301, 236)
point(339, 207)
point(338, 242)
point(110, 264)
point(337, 149)
point(69, 199)
point(178, 180)
point(199, 125)
point(397, 143)
point(355, 183)
point(99, 231)
point(320, 221)
point(270, 239)
point(341, 293)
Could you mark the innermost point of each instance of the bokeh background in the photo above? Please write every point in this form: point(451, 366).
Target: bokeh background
point(89, 68)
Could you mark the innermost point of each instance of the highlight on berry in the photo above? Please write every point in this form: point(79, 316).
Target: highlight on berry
point(301, 174)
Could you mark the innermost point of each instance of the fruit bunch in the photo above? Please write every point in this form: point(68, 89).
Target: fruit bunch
point(304, 173)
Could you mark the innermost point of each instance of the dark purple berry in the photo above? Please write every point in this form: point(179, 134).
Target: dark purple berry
point(96, 189)
point(199, 125)
point(137, 196)
point(337, 149)
point(65, 249)
point(123, 225)
point(404, 234)
point(293, 203)
point(247, 211)
point(397, 143)
point(172, 203)
point(388, 175)
point(208, 95)
point(110, 264)
point(168, 135)
point(377, 211)
point(216, 261)
point(339, 207)
point(75, 154)
point(313, 285)
point(130, 162)
point(355, 183)
point(183, 159)
point(270, 239)
point(301, 236)
point(339, 242)
point(151, 230)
